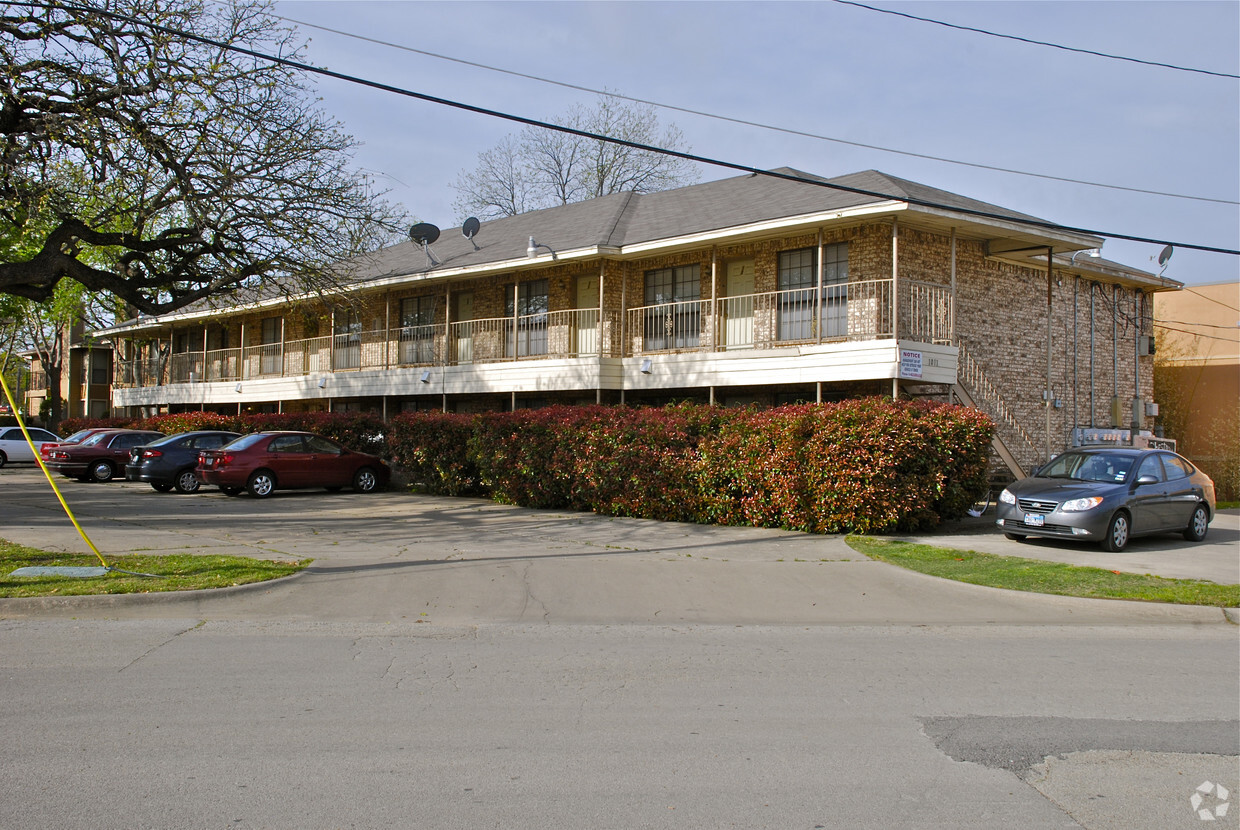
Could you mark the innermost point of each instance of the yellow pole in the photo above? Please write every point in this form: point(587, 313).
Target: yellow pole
point(39, 460)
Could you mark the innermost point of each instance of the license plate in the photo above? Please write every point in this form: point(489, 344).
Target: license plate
point(1034, 520)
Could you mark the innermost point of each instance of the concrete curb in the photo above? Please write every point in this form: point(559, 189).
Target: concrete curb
point(33, 604)
point(1232, 615)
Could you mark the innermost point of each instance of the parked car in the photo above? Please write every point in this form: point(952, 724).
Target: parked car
point(1109, 495)
point(170, 461)
point(100, 456)
point(263, 462)
point(13, 446)
point(78, 437)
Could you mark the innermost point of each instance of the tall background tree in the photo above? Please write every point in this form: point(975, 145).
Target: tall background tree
point(539, 168)
point(163, 170)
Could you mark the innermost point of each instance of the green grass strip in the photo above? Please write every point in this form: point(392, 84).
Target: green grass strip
point(1019, 574)
point(176, 572)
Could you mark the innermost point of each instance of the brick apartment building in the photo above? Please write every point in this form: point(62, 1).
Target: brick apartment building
point(754, 289)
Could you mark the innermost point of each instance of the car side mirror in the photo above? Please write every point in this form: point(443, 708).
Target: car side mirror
point(1147, 479)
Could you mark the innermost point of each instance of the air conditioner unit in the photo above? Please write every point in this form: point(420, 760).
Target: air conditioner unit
point(1145, 344)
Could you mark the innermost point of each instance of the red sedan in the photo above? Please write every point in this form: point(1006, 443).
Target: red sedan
point(263, 462)
point(99, 457)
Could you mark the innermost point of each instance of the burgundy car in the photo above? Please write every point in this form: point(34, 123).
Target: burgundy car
point(100, 456)
point(45, 450)
point(263, 462)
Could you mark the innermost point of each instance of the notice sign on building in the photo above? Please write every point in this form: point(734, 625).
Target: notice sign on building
point(910, 364)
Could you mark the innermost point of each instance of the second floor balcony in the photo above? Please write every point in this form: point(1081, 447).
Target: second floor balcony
point(849, 312)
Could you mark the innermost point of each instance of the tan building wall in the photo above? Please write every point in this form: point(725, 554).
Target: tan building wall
point(1198, 365)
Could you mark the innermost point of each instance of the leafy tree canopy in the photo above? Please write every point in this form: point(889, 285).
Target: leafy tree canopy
point(164, 170)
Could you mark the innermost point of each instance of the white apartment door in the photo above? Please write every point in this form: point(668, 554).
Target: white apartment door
point(738, 305)
point(586, 319)
point(462, 318)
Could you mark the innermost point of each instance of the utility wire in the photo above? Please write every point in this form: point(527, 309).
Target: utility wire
point(746, 123)
point(988, 33)
point(649, 148)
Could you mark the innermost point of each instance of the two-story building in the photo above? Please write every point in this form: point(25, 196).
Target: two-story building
point(754, 289)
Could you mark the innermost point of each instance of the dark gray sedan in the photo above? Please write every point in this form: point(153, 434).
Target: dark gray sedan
point(170, 462)
point(1109, 495)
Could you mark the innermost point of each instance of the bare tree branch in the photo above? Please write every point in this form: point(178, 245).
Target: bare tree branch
point(166, 171)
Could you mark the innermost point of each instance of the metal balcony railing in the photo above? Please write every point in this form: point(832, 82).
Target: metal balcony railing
point(854, 311)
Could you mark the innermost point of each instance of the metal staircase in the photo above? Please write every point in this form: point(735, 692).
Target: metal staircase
point(974, 389)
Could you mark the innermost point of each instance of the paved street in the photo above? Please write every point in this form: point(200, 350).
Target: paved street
point(454, 663)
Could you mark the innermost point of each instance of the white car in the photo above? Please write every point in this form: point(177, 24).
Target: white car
point(13, 446)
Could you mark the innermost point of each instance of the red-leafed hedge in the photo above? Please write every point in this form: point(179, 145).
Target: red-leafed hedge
point(861, 465)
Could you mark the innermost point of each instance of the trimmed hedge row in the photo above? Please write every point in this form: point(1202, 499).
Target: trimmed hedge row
point(861, 465)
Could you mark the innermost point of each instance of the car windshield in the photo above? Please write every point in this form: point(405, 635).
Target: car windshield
point(95, 439)
point(77, 436)
point(1080, 466)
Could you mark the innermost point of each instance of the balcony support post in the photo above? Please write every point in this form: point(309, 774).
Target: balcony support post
point(818, 301)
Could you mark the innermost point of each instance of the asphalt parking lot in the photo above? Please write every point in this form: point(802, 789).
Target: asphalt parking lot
point(458, 663)
point(395, 555)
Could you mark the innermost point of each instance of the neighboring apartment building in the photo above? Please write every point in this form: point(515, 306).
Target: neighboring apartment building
point(1198, 370)
point(85, 385)
point(748, 290)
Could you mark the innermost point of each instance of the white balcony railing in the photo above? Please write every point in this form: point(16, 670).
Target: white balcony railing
point(854, 311)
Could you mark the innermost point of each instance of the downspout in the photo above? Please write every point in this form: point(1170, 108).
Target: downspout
point(1136, 363)
point(1114, 355)
point(1076, 348)
point(1092, 410)
point(1049, 283)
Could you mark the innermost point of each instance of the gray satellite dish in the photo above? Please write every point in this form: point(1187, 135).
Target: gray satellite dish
point(1166, 254)
point(470, 229)
point(424, 233)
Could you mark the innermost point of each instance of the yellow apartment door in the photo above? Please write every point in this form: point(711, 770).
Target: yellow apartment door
point(738, 305)
point(585, 321)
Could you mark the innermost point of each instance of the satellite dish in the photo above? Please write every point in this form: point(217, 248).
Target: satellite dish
point(1166, 254)
point(423, 233)
point(470, 229)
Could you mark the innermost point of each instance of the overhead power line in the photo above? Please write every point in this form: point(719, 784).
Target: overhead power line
point(533, 122)
point(747, 123)
point(1033, 42)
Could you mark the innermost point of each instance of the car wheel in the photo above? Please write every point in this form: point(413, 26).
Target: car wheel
point(1015, 537)
point(1117, 532)
point(1198, 524)
point(4, 459)
point(161, 486)
point(365, 481)
point(101, 471)
point(187, 482)
point(261, 483)
point(231, 491)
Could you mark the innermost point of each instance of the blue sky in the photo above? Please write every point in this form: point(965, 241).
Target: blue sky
point(833, 70)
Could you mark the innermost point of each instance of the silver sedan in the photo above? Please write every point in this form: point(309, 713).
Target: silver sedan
point(1109, 495)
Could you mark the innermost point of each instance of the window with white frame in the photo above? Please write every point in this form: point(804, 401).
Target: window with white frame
point(673, 314)
point(803, 314)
